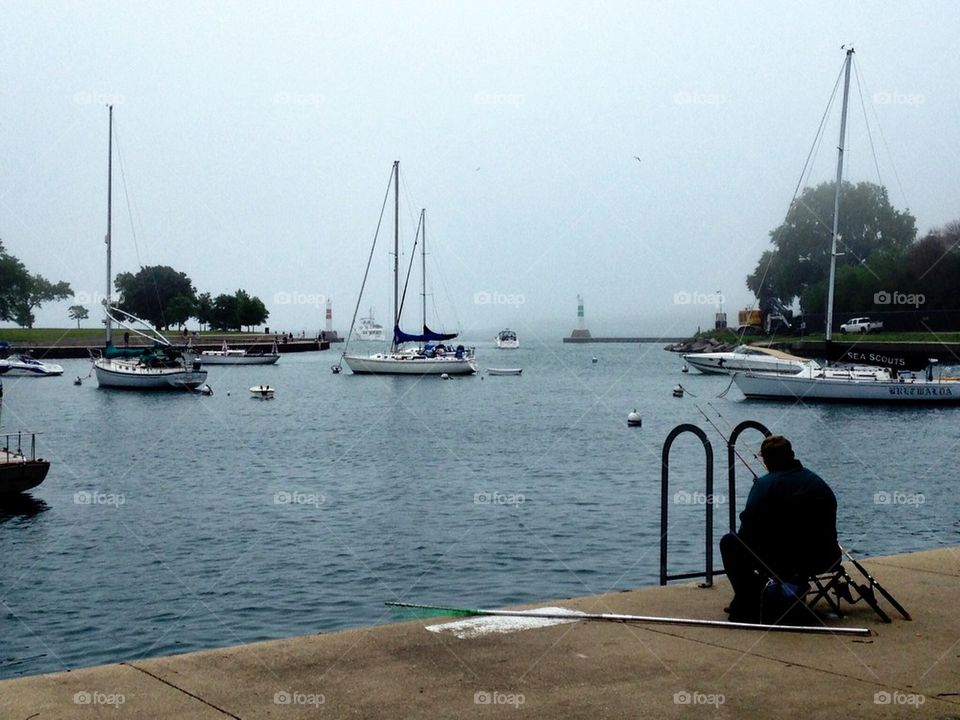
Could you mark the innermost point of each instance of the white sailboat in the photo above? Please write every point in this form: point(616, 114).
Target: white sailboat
point(817, 383)
point(369, 329)
point(433, 354)
point(747, 357)
point(160, 367)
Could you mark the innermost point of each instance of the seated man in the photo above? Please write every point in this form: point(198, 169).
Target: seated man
point(788, 530)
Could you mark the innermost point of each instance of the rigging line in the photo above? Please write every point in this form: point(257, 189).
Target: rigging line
point(366, 272)
point(866, 121)
point(814, 148)
point(730, 429)
point(726, 440)
point(883, 139)
point(133, 229)
point(406, 280)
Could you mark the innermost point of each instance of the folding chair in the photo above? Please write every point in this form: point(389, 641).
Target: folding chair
point(837, 584)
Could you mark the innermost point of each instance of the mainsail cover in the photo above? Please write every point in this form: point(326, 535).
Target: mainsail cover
point(399, 336)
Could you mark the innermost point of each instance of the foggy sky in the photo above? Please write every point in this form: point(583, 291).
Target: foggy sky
point(257, 140)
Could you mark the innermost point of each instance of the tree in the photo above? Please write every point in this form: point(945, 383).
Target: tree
point(871, 231)
point(251, 310)
point(149, 293)
point(179, 310)
point(78, 313)
point(204, 309)
point(21, 292)
point(225, 315)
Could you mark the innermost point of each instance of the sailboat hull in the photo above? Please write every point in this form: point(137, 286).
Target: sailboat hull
point(384, 364)
point(131, 377)
point(825, 389)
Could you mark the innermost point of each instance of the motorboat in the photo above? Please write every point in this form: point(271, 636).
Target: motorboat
point(236, 356)
point(24, 365)
point(20, 468)
point(507, 340)
point(369, 329)
point(264, 392)
point(747, 358)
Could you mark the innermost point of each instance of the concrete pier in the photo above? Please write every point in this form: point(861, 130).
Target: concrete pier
point(574, 670)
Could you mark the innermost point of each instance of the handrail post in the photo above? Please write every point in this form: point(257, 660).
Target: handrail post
point(664, 499)
point(732, 468)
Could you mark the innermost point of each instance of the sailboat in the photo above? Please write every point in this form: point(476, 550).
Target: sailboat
point(871, 385)
point(159, 367)
point(432, 355)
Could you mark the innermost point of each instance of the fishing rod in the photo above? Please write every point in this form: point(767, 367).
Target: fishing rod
point(727, 441)
point(439, 611)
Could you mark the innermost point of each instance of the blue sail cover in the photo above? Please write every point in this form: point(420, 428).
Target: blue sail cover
point(399, 336)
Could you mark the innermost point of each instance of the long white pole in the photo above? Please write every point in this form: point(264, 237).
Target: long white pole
point(396, 251)
point(109, 239)
point(836, 197)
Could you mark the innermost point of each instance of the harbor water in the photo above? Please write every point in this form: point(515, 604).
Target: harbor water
point(176, 522)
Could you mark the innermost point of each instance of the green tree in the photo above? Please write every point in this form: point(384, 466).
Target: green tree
point(179, 310)
point(225, 315)
point(149, 293)
point(871, 230)
point(251, 310)
point(204, 309)
point(22, 292)
point(78, 313)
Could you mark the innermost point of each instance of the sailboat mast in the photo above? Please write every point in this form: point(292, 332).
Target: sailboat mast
point(109, 240)
point(423, 261)
point(396, 250)
point(836, 197)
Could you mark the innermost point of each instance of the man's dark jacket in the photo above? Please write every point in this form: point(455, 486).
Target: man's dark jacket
point(790, 522)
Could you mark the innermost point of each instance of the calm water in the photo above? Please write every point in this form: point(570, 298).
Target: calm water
point(171, 523)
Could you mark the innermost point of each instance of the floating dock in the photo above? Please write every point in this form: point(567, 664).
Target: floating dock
point(589, 670)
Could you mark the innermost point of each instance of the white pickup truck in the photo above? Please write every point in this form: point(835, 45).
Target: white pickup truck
point(860, 325)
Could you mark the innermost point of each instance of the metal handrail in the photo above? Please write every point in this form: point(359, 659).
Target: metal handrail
point(732, 466)
point(664, 499)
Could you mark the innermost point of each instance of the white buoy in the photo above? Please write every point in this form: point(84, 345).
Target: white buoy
point(594, 359)
point(634, 419)
point(78, 381)
point(205, 390)
point(678, 391)
point(685, 369)
point(444, 376)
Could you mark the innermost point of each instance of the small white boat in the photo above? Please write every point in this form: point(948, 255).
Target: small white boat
point(23, 365)
point(262, 391)
point(504, 371)
point(226, 356)
point(747, 358)
point(507, 340)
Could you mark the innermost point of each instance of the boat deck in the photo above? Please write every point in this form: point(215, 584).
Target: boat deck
point(572, 670)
